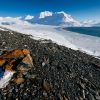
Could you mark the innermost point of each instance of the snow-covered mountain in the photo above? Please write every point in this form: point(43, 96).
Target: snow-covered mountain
point(90, 23)
point(97, 24)
point(11, 20)
point(57, 18)
point(48, 18)
point(26, 18)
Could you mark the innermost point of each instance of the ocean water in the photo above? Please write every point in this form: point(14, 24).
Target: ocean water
point(93, 31)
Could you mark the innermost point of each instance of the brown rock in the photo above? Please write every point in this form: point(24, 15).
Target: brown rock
point(28, 60)
point(2, 62)
point(19, 80)
point(9, 59)
point(46, 86)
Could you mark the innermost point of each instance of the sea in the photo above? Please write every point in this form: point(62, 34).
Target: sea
point(93, 31)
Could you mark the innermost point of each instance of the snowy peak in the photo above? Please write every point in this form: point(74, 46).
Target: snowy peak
point(56, 18)
point(45, 14)
point(44, 18)
point(29, 17)
point(65, 16)
point(48, 18)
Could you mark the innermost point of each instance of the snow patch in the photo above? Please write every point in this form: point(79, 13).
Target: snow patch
point(2, 29)
point(6, 78)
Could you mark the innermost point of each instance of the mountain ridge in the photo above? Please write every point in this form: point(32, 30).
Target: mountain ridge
point(54, 18)
point(49, 18)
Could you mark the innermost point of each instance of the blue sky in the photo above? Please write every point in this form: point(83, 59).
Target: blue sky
point(80, 9)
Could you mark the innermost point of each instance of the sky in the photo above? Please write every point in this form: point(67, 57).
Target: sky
point(79, 9)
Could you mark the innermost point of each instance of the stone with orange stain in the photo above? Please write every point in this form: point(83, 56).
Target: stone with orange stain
point(10, 60)
point(2, 62)
point(11, 56)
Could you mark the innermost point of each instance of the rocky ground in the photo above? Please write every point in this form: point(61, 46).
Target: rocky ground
point(59, 73)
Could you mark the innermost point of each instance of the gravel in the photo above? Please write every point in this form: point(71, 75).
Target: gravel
point(60, 73)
